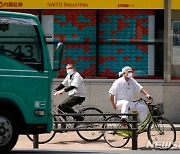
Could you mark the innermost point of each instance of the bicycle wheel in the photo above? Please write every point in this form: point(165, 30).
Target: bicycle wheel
point(161, 134)
point(116, 138)
point(44, 138)
point(91, 135)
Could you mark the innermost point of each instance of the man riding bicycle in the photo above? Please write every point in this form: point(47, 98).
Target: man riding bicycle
point(75, 88)
point(121, 95)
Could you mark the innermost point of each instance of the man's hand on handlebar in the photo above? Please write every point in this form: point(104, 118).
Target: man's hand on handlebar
point(58, 92)
point(148, 96)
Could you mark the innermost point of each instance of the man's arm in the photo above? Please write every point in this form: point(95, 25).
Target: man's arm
point(112, 101)
point(64, 90)
point(59, 89)
point(61, 86)
point(69, 88)
point(145, 93)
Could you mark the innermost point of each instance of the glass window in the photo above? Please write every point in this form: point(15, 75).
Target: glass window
point(133, 38)
point(20, 41)
point(101, 42)
point(175, 69)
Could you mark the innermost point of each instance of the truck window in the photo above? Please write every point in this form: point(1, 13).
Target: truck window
point(20, 41)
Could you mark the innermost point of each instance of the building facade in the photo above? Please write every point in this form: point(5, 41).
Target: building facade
point(101, 41)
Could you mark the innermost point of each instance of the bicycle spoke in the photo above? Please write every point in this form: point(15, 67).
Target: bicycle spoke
point(91, 135)
point(162, 134)
point(116, 139)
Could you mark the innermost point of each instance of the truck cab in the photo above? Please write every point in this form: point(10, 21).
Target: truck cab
point(25, 79)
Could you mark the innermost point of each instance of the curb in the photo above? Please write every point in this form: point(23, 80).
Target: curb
point(177, 127)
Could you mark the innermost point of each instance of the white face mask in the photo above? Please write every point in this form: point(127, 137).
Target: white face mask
point(70, 71)
point(130, 75)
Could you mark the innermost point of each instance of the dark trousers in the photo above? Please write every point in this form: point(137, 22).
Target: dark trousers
point(71, 101)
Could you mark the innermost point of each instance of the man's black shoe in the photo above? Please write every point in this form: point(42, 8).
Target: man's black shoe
point(78, 119)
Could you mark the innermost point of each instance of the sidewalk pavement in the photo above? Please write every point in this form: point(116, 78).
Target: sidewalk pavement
point(71, 141)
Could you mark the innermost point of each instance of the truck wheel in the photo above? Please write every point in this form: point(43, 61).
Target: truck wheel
point(8, 131)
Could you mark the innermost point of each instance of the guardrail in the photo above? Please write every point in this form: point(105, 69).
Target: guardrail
point(133, 123)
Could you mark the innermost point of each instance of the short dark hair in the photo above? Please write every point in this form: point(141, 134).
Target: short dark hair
point(70, 64)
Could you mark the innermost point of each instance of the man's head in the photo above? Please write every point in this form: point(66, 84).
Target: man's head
point(70, 69)
point(127, 72)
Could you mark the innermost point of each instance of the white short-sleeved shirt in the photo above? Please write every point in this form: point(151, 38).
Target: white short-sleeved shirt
point(124, 90)
point(76, 81)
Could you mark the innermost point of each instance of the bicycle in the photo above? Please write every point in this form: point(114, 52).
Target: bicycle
point(160, 131)
point(85, 135)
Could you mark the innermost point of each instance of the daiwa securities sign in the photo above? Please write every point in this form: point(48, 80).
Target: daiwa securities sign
point(11, 4)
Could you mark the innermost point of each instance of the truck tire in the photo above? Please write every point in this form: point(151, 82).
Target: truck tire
point(8, 131)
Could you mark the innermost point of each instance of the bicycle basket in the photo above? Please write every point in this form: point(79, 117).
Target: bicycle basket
point(157, 109)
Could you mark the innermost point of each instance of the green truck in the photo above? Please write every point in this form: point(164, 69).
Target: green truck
point(25, 78)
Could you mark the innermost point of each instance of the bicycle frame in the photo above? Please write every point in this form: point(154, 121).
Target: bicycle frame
point(141, 126)
point(56, 110)
point(78, 108)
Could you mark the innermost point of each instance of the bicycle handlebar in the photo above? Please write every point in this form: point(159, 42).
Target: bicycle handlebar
point(147, 102)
